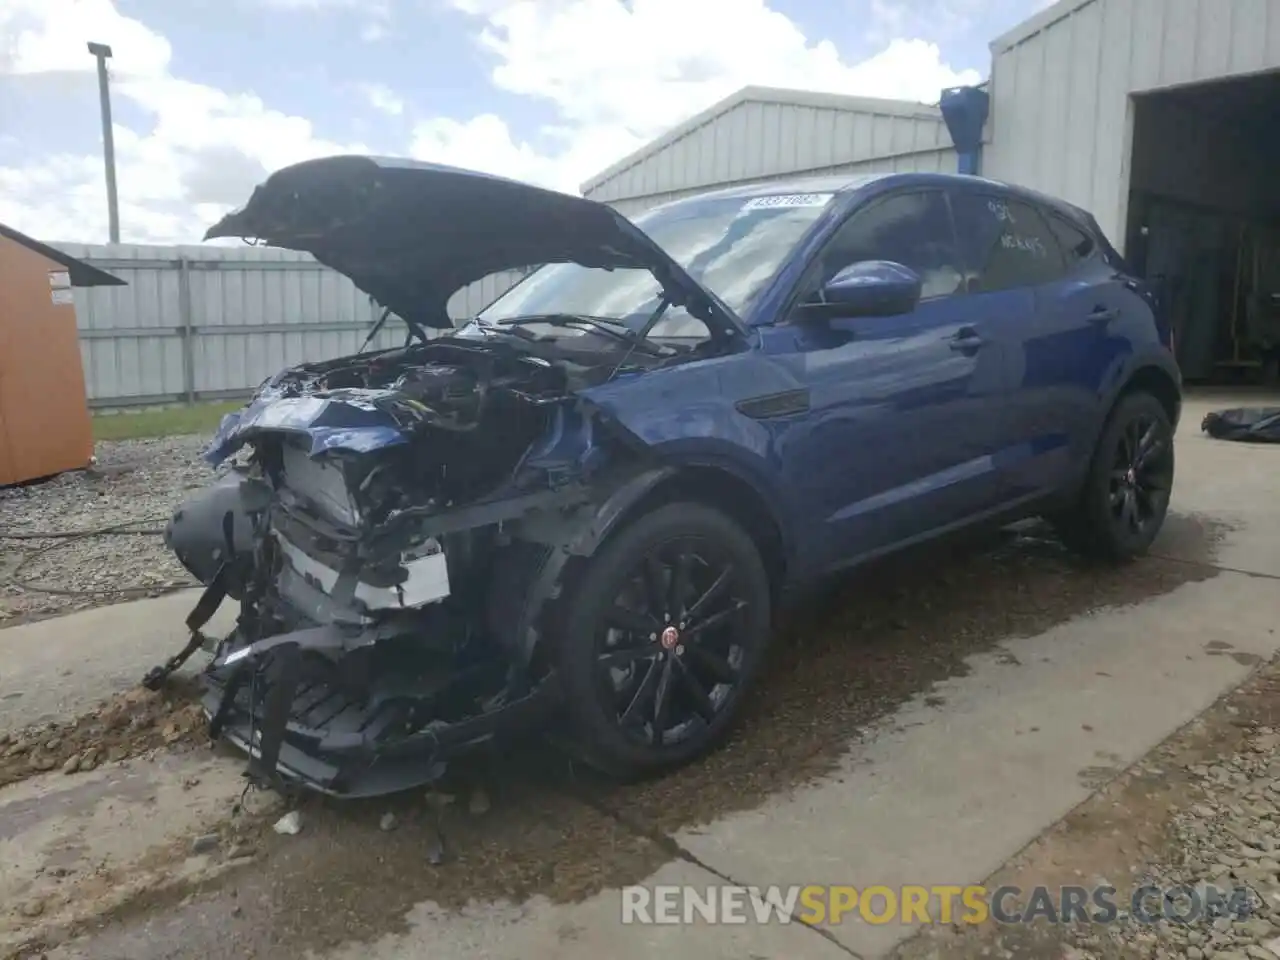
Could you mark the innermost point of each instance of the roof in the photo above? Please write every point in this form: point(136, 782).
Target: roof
point(81, 273)
point(794, 98)
point(847, 183)
point(830, 183)
point(1035, 24)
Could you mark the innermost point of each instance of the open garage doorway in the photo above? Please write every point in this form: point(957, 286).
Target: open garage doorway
point(1204, 222)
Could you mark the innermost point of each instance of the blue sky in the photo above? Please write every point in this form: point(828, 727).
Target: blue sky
point(209, 96)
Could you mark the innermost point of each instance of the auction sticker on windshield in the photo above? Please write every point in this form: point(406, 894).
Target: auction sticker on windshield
point(782, 200)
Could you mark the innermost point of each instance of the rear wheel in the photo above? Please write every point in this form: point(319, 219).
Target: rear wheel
point(1126, 493)
point(663, 633)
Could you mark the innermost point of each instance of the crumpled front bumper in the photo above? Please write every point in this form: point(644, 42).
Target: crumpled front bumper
point(301, 726)
point(310, 712)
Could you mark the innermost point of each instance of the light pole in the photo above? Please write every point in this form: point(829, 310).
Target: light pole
point(103, 52)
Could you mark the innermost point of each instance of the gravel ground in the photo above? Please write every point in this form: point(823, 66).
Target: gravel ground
point(1201, 811)
point(135, 483)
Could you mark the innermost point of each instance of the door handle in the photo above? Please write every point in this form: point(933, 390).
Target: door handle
point(1103, 315)
point(965, 340)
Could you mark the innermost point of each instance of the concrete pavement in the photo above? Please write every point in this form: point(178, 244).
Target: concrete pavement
point(943, 791)
point(61, 667)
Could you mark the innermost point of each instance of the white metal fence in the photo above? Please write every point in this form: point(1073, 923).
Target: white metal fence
point(205, 322)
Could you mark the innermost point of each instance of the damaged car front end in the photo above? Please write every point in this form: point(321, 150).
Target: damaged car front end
point(362, 539)
point(397, 525)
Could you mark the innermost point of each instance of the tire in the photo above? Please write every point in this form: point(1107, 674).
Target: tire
point(617, 655)
point(1125, 497)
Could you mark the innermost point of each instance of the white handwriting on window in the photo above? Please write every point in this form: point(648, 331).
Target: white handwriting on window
point(1000, 211)
point(1031, 245)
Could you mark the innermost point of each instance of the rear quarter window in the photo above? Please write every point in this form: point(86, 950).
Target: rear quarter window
point(1077, 245)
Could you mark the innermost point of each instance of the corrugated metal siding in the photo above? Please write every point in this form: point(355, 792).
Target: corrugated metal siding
point(929, 161)
point(198, 321)
point(764, 140)
point(1061, 118)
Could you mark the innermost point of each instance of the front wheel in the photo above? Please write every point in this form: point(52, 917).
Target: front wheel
point(1126, 492)
point(664, 630)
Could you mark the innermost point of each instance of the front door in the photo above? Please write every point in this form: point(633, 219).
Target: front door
point(904, 411)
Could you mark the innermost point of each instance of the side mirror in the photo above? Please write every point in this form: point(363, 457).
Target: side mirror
point(871, 288)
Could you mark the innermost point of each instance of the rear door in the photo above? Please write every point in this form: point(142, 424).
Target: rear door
point(1083, 338)
point(1018, 274)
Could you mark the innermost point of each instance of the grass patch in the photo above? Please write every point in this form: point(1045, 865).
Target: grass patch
point(165, 422)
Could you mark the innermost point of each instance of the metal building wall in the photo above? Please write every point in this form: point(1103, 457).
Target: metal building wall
point(207, 322)
point(760, 134)
point(1061, 113)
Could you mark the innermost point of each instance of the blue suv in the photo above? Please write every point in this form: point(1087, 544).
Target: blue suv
point(579, 511)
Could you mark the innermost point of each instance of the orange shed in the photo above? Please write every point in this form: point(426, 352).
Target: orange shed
point(44, 414)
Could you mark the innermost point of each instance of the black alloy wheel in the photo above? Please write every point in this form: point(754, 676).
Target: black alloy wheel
point(667, 652)
point(665, 632)
point(1125, 497)
point(1141, 477)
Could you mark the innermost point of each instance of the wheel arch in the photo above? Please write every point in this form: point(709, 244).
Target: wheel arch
point(1150, 377)
point(724, 489)
point(1155, 380)
point(551, 547)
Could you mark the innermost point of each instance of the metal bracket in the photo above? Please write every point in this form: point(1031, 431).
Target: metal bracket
point(204, 610)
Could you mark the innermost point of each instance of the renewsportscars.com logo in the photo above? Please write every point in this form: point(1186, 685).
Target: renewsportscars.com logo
point(912, 905)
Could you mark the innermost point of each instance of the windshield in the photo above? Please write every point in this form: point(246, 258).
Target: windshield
point(733, 246)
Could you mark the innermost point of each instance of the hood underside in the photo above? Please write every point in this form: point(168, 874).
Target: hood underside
point(411, 234)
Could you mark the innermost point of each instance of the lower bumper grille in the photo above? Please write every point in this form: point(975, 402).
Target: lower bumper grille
point(313, 731)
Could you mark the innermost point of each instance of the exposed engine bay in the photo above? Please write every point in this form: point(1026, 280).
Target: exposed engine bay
point(481, 407)
point(380, 532)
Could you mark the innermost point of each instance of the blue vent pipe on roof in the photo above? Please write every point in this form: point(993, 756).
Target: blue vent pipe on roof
point(965, 111)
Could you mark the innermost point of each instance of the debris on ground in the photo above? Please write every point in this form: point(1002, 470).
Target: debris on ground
point(127, 725)
point(205, 843)
point(241, 851)
point(1248, 424)
point(1200, 813)
point(435, 848)
point(31, 908)
point(129, 838)
point(478, 804)
point(290, 825)
point(438, 800)
point(134, 480)
point(388, 822)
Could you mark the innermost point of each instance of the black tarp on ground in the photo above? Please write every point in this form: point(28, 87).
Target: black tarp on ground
point(1250, 424)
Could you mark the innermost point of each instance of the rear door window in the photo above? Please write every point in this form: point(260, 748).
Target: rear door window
point(1005, 243)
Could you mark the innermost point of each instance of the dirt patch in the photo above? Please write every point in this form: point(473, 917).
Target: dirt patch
point(1157, 824)
point(128, 725)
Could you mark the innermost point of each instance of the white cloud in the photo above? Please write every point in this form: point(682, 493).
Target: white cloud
point(205, 150)
point(613, 74)
point(377, 13)
point(382, 98)
point(619, 74)
point(45, 36)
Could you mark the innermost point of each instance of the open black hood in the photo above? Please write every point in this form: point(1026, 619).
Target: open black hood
point(411, 234)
